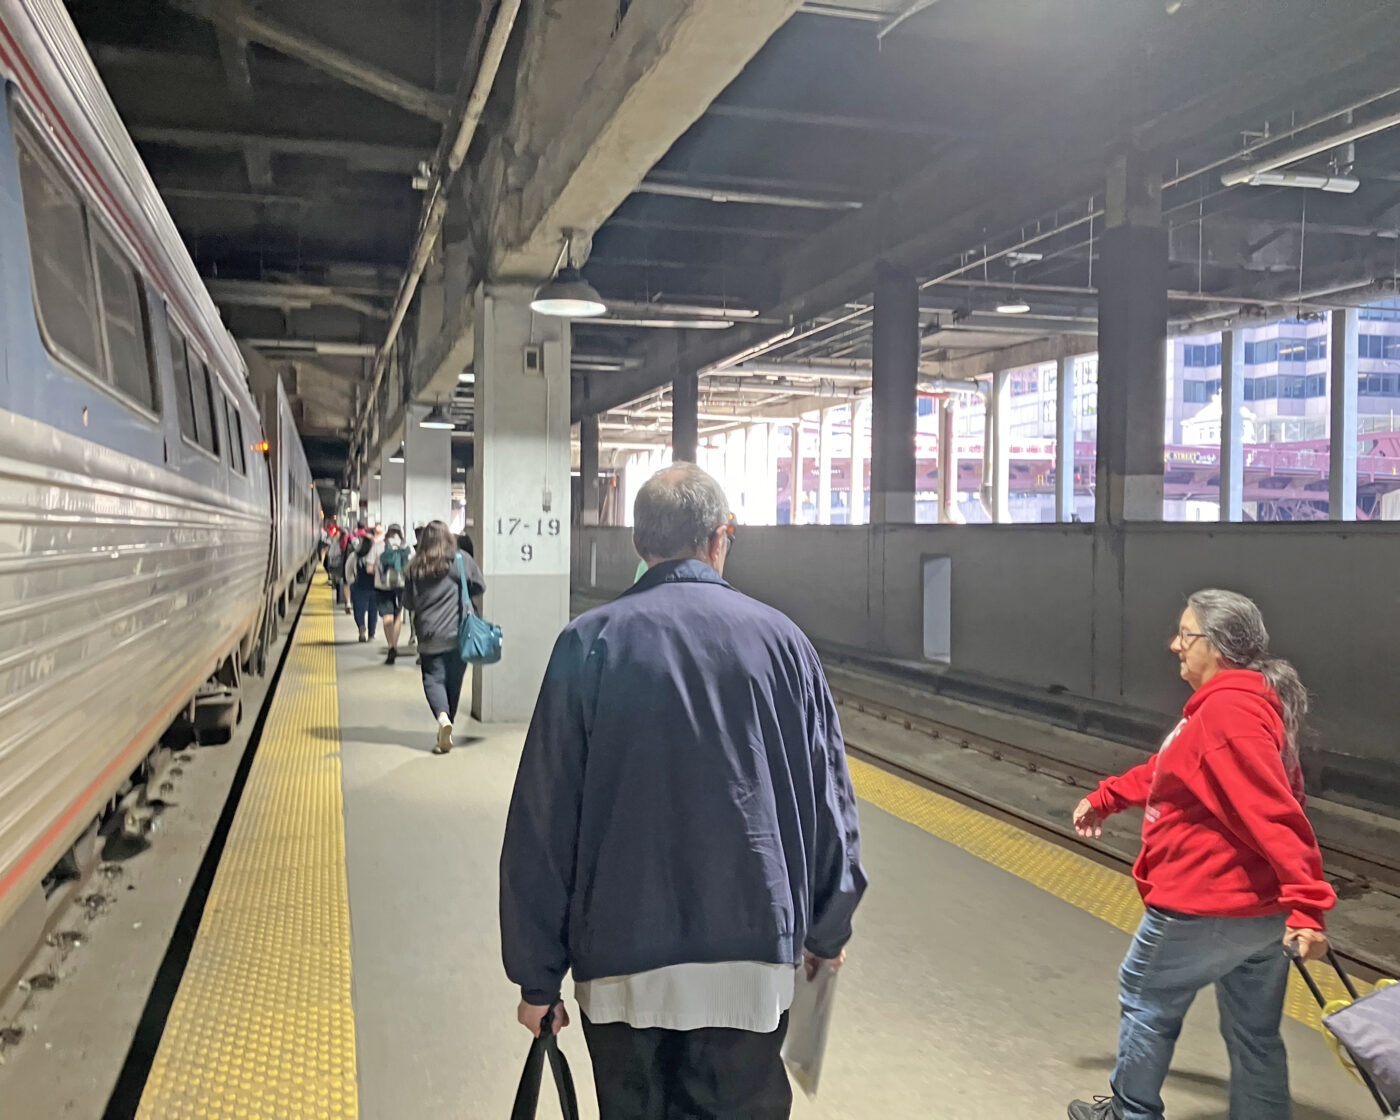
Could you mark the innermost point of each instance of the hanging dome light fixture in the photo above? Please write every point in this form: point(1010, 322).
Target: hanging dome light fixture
point(568, 295)
point(437, 418)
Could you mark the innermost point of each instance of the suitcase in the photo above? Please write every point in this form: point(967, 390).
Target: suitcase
point(1368, 1029)
point(527, 1096)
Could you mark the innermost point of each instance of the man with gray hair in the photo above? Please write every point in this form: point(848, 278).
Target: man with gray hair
point(683, 832)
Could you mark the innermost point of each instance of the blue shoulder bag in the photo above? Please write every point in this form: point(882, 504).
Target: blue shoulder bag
point(478, 641)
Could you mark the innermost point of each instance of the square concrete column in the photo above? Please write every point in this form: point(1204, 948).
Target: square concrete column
point(685, 421)
point(1231, 425)
point(373, 492)
point(895, 392)
point(947, 461)
point(860, 454)
point(427, 472)
point(391, 506)
point(1064, 438)
point(795, 475)
point(826, 440)
point(999, 404)
point(1132, 283)
point(520, 493)
point(1341, 487)
point(588, 469)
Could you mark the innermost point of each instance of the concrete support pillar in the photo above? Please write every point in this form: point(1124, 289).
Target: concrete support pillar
point(373, 492)
point(520, 493)
point(999, 400)
point(588, 470)
point(795, 488)
point(1064, 438)
point(895, 392)
point(826, 439)
point(427, 472)
point(1341, 488)
point(391, 505)
point(947, 461)
point(760, 481)
point(1132, 283)
point(1231, 425)
point(860, 452)
point(685, 423)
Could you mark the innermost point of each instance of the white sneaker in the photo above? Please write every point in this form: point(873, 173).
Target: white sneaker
point(444, 739)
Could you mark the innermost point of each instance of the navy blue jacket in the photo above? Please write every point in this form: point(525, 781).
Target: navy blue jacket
point(683, 794)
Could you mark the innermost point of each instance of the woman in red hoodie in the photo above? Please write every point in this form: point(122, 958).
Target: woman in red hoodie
point(1229, 867)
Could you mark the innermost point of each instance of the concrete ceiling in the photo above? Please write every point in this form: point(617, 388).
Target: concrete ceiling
point(285, 138)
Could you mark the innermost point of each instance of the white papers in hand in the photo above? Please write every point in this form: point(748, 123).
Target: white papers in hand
point(809, 1021)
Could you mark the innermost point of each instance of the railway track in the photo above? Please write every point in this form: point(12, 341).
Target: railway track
point(1354, 869)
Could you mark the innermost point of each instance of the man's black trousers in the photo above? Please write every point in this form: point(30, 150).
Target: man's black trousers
point(709, 1074)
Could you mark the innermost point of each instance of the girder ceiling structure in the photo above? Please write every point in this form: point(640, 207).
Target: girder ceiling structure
point(969, 144)
point(942, 137)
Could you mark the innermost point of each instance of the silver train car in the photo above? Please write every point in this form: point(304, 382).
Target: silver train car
point(149, 535)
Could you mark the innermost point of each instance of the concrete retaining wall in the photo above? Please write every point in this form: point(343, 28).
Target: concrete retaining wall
point(1092, 611)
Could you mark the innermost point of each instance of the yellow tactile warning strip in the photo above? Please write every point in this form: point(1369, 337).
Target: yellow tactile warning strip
point(1090, 886)
point(262, 1025)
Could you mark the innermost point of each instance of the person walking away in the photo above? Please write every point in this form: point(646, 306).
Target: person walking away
point(1229, 867)
point(683, 834)
point(359, 574)
point(390, 571)
point(337, 552)
point(437, 573)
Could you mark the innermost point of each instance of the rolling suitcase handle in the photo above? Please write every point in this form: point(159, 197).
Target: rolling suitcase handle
point(1322, 1002)
point(527, 1096)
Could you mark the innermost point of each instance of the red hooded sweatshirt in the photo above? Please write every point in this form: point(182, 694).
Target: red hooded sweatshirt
point(1224, 832)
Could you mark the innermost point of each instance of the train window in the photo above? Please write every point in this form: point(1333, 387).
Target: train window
point(235, 437)
point(65, 296)
point(236, 434)
point(124, 319)
point(184, 398)
point(203, 405)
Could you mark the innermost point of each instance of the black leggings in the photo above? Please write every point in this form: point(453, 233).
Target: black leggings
point(442, 681)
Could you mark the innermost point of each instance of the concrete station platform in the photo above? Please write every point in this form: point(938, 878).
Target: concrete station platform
point(348, 963)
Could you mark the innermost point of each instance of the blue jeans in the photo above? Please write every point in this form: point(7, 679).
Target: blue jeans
point(362, 599)
point(1172, 957)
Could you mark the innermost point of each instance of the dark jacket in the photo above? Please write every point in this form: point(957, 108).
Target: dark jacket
point(437, 604)
point(682, 796)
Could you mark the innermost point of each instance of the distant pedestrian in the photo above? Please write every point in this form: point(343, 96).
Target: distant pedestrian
point(1229, 867)
point(337, 552)
point(683, 832)
point(359, 574)
point(443, 585)
point(391, 557)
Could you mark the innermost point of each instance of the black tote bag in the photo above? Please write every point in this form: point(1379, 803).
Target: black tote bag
point(527, 1097)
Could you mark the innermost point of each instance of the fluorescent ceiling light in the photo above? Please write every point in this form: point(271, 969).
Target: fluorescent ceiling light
point(466, 379)
point(1309, 180)
point(688, 324)
point(1013, 306)
point(568, 296)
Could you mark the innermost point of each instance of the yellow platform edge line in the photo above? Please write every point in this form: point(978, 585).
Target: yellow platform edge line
point(1101, 891)
point(262, 1024)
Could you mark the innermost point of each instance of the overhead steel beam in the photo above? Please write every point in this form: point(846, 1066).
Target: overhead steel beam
point(233, 55)
point(236, 19)
point(257, 157)
point(792, 118)
point(358, 153)
point(934, 215)
point(261, 293)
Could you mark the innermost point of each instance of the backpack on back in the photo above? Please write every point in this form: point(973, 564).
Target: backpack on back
point(392, 563)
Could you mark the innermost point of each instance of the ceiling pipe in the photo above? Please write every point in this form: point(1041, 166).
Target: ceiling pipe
point(1243, 175)
point(908, 13)
point(323, 347)
point(446, 164)
point(695, 310)
point(754, 198)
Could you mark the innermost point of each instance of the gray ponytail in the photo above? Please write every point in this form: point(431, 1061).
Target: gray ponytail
point(1234, 626)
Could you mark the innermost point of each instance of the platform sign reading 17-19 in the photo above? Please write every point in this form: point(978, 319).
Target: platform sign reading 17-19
point(521, 537)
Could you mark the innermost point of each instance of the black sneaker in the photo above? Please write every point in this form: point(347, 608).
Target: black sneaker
point(393, 656)
point(1103, 1108)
